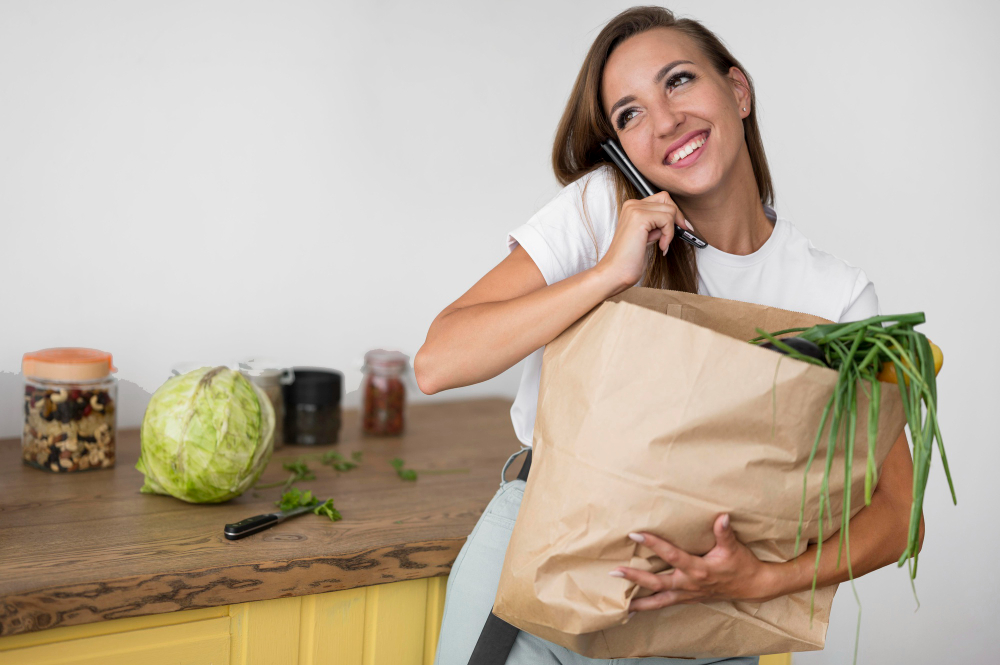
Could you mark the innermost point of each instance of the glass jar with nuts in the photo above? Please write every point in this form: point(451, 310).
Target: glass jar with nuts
point(70, 405)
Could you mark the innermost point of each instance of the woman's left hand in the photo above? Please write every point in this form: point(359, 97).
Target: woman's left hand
point(729, 571)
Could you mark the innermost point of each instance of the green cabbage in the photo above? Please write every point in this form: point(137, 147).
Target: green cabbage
point(206, 436)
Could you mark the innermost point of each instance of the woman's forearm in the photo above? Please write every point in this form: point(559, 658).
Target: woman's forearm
point(878, 534)
point(475, 343)
point(876, 541)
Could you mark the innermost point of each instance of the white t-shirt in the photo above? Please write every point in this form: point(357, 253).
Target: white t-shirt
point(786, 272)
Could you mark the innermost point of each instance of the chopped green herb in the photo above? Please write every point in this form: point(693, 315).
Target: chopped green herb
point(337, 461)
point(295, 498)
point(405, 474)
point(326, 508)
point(300, 471)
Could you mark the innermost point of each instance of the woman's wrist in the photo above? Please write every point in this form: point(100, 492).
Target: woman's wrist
point(772, 581)
point(612, 283)
point(783, 578)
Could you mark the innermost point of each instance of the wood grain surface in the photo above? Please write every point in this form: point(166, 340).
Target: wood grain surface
point(87, 546)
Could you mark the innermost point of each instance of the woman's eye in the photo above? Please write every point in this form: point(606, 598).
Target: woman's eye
point(625, 115)
point(678, 75)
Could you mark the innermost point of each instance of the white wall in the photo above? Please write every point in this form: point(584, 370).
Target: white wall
point(308, 180)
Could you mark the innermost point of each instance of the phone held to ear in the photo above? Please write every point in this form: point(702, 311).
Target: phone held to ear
point(646, 188)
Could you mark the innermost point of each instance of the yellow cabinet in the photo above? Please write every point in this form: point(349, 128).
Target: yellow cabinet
point(198, 637)
point(385, 624)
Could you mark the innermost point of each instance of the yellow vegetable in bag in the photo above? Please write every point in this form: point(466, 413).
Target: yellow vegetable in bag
point(888, 371)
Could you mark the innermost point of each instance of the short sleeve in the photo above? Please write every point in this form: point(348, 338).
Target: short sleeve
point(863, 303)
point(560, 238)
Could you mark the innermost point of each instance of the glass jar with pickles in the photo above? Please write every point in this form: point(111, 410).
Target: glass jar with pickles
point(70, 410)
point(384, 392)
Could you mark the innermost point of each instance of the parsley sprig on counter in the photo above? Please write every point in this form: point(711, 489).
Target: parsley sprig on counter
point(295, 498)
point(337, 461)
point(300, 471)
point(405, 474)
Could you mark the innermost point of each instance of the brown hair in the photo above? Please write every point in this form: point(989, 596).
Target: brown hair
point(577, 149)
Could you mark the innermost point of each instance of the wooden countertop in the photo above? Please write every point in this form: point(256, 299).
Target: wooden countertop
point(87, 546)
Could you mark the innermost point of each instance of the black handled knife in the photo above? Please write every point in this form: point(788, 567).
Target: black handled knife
point(257, 523)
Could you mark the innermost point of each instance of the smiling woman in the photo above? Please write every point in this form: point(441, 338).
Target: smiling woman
point(683, 109)
point(649, 67)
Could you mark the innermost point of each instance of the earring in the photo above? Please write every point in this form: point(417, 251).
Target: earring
point(744, 108)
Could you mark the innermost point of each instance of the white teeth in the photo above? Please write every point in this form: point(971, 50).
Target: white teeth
point(688, 149)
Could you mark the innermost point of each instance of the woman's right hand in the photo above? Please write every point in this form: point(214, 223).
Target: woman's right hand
point(642, 221)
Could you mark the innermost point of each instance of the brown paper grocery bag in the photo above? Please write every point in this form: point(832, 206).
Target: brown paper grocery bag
point(655, 414)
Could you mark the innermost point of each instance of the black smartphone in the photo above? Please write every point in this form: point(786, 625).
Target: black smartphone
point(646, 188)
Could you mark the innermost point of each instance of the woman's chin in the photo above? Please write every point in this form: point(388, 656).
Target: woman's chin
point(697, 185)
point(688, 181)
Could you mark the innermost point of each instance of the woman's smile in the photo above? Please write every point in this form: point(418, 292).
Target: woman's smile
point(687, 154)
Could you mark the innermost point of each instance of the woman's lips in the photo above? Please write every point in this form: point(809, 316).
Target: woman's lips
point(690, 159)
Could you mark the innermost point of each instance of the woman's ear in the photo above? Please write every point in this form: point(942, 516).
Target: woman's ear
point(741, 87)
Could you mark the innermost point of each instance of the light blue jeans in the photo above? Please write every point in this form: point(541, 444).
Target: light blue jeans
point(472, 587)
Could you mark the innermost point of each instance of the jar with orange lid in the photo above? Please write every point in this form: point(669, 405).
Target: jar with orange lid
point(70, 409)
point(384, 392)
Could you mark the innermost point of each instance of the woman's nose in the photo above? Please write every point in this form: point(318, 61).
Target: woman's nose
point(666, 117)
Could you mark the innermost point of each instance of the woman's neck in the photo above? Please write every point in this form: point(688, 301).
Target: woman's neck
point(730, 218)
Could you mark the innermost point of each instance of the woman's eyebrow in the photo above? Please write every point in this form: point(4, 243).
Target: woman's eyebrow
point(663, 72)
point(659, 77)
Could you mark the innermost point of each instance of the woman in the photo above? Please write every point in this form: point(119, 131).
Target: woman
point(683, 109)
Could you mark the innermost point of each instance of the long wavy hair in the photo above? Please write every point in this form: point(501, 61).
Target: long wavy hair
point(577, 149)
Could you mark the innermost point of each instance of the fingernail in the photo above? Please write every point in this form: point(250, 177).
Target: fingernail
point(665, 252)
point(688, 224)
point(630, 615)
point(637, 537)
point(725, 521)
point(616, 573)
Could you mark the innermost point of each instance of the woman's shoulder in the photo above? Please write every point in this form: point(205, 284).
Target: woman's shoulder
point(834, 275)
point(602, 176)
point(595, 189)
point(573, 230)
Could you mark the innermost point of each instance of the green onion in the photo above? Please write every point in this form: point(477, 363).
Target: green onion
point(856, 351)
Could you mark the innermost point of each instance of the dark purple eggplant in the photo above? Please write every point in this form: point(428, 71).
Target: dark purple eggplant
point(803, 346)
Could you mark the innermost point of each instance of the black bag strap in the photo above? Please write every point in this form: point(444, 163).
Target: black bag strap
point(495, 642)
point(497, 638)
point(523, 473)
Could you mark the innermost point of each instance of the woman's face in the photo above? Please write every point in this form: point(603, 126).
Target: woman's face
point(660, 94)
